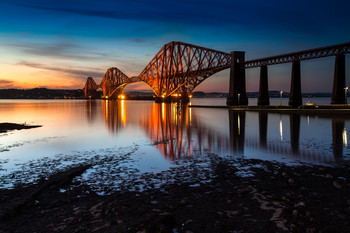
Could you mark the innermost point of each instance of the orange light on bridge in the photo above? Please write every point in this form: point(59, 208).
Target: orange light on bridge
point(190, 96)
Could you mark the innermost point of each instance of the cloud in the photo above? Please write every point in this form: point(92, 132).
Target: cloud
point(81, 73)
point(5, 83)
point(60, 49)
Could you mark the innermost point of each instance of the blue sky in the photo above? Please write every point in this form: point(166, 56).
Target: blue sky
point(59, 43)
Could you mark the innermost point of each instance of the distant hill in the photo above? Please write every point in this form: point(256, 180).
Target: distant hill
point(40, 93)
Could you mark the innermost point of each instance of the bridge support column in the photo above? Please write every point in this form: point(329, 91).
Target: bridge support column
point(163, 99)
point(338, 95)
point(237, 92)
point(184, 98)
point(295, 99)
point(263, 98)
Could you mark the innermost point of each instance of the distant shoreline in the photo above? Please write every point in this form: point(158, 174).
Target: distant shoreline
point(45, 93)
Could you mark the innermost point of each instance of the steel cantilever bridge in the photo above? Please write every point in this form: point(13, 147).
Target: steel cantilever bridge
point(178, 68)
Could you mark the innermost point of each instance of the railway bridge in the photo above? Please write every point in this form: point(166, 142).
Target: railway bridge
point(178, 68)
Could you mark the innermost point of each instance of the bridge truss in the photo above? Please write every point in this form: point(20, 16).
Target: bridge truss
point(114, 82)
point(179, 68)
point(90, 87)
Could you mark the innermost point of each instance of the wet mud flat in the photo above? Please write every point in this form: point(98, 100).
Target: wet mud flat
point(261, 197)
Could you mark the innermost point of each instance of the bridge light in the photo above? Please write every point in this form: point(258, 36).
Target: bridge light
point(190, 96)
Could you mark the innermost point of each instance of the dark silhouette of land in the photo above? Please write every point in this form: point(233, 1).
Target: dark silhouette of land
point(45, 93)
point(4, 127)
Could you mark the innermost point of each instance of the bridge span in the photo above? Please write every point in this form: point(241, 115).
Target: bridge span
point(178, 68)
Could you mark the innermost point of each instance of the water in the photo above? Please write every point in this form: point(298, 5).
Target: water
point(124, 139)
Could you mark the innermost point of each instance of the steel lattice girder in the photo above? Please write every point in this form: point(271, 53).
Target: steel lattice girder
point(90, 87)
point(114, 79)
point(179, 67)
point(299, 56)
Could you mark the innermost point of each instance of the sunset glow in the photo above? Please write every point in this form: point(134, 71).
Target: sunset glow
point(88, 38)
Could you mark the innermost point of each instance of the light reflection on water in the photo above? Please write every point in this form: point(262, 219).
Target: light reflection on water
point(165, 132)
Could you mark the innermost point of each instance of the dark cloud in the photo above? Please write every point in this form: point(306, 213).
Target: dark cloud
point(5, 83)
point(78, 73)
point(61, 49)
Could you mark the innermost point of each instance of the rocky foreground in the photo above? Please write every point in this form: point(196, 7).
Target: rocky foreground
point(276, 198)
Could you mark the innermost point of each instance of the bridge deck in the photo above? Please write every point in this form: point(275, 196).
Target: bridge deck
point(299, 56)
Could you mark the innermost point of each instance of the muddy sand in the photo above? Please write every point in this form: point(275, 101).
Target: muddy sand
point(272, 198)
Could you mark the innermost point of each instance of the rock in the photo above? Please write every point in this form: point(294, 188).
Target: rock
point(182, 202)
point(189, 221)
point(291, 181)
point(96, 208)
point(308, 214)
point(329, 176)
point(337, 185)
point(295, 213)
point(321, 169)
point(220, 213)
point(229, 202)
point(310, 230)
point(300, 204)
point(284, 174)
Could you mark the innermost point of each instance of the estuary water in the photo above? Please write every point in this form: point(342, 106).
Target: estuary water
point(124, 138)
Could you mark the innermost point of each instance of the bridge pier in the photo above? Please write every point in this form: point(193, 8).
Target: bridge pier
point(263, 98)
point(338, 95)
point(163, 99)
point(295, 99)
point(237, 91)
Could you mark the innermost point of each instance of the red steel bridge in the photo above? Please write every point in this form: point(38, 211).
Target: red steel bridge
point(178, 68)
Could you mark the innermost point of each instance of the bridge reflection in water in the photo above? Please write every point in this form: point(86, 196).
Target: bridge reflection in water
point(179, 131)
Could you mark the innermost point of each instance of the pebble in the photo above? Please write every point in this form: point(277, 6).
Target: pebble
point(284, 174)
point(329, 176)
point(229, 202)
point(182, 202)
point(291, 181)
point(295, 213)
point(310, 230)
point(220, 213)
point(337, 185)
point(300, 204)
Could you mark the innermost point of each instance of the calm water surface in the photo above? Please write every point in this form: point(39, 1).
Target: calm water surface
point(144, 136)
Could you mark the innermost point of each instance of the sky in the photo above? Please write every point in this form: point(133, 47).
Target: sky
point(59, 43)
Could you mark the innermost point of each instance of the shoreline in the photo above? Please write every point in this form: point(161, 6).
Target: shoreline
point(276, 198)
point(5, 127)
